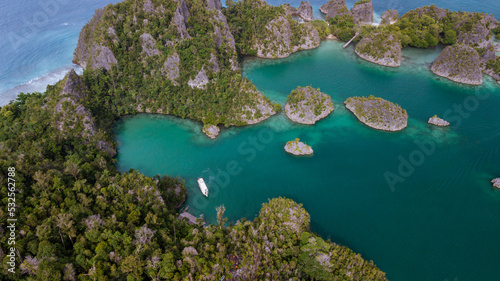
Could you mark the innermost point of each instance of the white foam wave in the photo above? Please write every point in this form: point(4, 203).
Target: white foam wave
point(38, 84)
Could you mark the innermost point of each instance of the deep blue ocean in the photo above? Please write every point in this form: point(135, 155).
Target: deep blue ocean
point(38, 37)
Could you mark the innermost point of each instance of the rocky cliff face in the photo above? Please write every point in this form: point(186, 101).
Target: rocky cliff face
point(171, 68)
point(88, 51)
point(72, 117)
point(304, 11)
point(473, 32)
point(380, 48)
point(296, 147)
point(390, 17)
point(363, 13)
point(459, 63)
point(278, 43)
point(180, 19)
point(148, 45)
point(307, 105)
point(199, 81)
point(378, 113)
point(334, 8)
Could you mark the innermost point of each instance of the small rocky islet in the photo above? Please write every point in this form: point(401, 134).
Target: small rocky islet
point(298, 148)
point(496, 182)
point(306, 105)
point(378, 113)
point(435, 120)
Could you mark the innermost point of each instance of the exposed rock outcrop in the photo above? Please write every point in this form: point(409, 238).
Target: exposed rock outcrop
point(214, 4)
point(477, 34)
point(279, 45)
point(296, 147)
point(434, 120)
point(88, 52)
point(362, 12)
point(334, 8)
point(378, 113)
point(180, 19)
point(307, 105)
point(390, 17)
point(148, 45)
point(261, 107)
point(171, 68)
point(493, 68)
point(224, 36)
point(200, 80)
point(380, 48)
point(72, 116)
point(279, 42)
point(211, 131)
point(304, 11)
point(496, 182)
point(310, 40)
point(459, 63)
point(214, 63)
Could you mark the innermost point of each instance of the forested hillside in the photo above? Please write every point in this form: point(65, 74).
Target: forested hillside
point(80, 219)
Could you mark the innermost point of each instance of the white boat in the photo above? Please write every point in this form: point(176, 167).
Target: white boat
point(203, 187)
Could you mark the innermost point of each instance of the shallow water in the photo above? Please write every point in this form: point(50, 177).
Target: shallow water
point(439, 220)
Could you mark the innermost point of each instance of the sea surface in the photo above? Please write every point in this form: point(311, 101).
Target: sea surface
point(419, 202)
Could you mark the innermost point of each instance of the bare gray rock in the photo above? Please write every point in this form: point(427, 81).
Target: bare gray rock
point(200, 81)
point(171, 68)
point(278, 45)
point(214, 63)
point(459, 63)
point(296, 147)
point(478, 34)
point(334, 8)
point(180, 19)
point(74, 86)
point(307, 105)
point(434, 120)
point(112, 34)
point(225, 33)
point(148, 45)
point(304, 11)
point(496, 182)
point(388, 54)
point(363, 13)
point(390, 17)
point(102, 57)
point(311, 39)
point(378, 113)
point(214, 5)
point(289, 10)
point(211, 131)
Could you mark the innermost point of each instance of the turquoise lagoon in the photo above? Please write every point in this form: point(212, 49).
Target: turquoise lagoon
point(437, 218)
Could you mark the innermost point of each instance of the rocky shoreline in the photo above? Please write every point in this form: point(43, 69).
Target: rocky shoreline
point(211, 131)
point(496, 182)
point(306, 105)
point(378, 113)
point(298, 148)
point(459, 63)
point(434, 120)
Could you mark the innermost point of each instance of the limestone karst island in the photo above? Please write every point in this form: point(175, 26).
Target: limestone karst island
point(173, 140)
